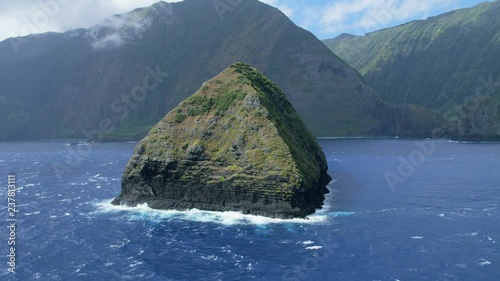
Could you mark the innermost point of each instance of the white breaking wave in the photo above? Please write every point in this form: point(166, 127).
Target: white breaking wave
point(342, 214)
point(314, 248)
point(135, 264)
point(484, 262)
point(226, 218)
point(417, 237)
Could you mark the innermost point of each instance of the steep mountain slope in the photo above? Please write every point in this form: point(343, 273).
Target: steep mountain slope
point(440, 63)
point(119, 78)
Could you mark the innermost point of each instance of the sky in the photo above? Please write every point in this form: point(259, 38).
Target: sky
point(325, 18)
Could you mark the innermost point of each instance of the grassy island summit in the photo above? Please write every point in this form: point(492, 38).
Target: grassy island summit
point(237, 144)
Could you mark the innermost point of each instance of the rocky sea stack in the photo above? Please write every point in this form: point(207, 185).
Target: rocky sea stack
point(237, 144)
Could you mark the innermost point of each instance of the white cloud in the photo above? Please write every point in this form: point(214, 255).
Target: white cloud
point(326, 17)
point(117, 30)
point(22, 17)
point(368, 15)
point(280, 4)
point(112, 40)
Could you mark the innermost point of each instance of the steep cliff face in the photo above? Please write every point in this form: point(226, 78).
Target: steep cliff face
point(440, 63)
point(237, 144)
point(63, 85)
point(421, 122)
point(479, 119)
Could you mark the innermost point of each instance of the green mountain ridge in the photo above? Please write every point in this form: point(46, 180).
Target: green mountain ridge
point(86, 83)
point(445, 63)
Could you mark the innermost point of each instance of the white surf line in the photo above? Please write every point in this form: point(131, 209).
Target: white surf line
point(227, 218)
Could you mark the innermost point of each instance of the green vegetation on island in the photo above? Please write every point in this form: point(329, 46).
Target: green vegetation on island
point(237, 144)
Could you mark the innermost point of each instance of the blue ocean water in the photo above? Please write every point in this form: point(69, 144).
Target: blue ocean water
point(440, 221)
